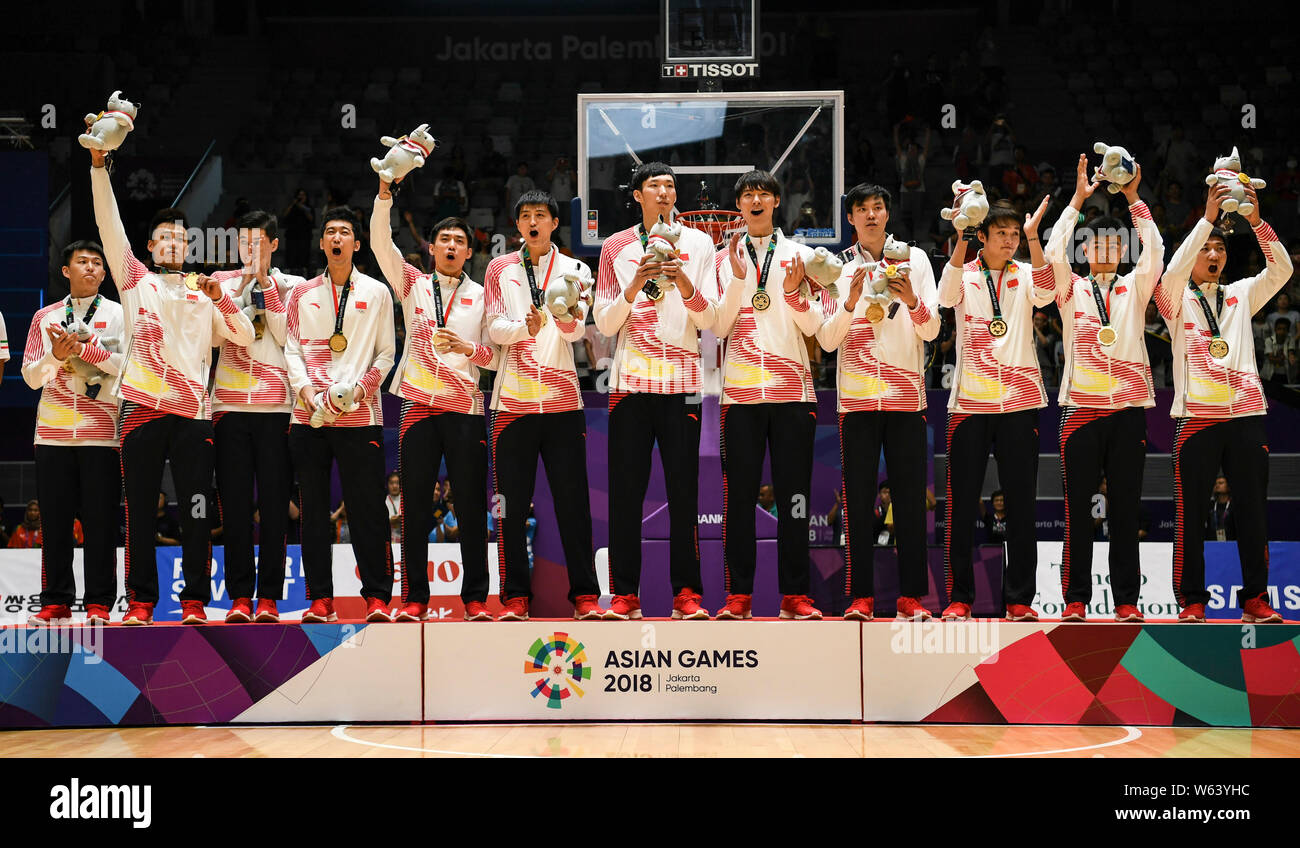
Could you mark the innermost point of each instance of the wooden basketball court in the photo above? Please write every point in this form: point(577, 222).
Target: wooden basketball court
point(653, 740)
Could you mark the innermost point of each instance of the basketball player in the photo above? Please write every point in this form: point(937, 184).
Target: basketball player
point(340, 342)
point(78, 470)
point(173, 320)
point(252, 399)
point(537, 410)
point(1105, 391)
point(881, 390)
point(442, 406)
point(997, 391)
point(768, 402)
point(1219, 405)
point(656, 311)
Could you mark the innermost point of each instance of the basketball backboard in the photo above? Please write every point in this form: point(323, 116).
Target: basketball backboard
point(710, 139)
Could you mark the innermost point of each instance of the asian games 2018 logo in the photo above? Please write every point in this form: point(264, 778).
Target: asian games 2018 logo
point(557, 664)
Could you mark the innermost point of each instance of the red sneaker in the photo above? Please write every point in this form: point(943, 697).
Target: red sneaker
point(241, 611)
point(1076, 611)
point(1021, 612)
point(800, 608)
point(97, 614)
point(51, 614)
point(192, 612)
point(624, 607)
point(267, 613)
point(1192, 612)
point(515, 609)
point(587, 608)
point(862, 609)
point(957, 611)
point(413, 612)
point(477, 611)
point(911, 609)
point(137, 613)
point(1257, 611)
point(737, 607)
point(686, 606)
point(1128, 612)
point(378, 611)
point(320, 612)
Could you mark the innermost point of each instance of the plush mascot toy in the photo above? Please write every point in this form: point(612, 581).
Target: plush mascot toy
point(969, 205)
point(108, 129)
point(338, 401)
point(563, 297)
point(1227, 171)
point(91, 375)
point(894, 261)
point(661, 245)
point(1117, 166)
point(404, 154)
point(824, 269)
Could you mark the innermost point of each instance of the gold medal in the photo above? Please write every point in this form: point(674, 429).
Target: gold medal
point(192, 281)
point(997, 328)
point(1218, 348)
point(258, 326)
point(761, 301)
point(875, 312)
point(67, 366)
point(338, 342)
point(652, 291)
point(1107, 335)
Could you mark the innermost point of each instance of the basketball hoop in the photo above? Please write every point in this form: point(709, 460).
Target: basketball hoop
point(718, 223)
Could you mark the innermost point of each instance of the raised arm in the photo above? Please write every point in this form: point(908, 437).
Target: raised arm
point(1169, 293)
point(729, 262)
point(1044, 280)
point(1151, 256)
point(126, 269)
point(401, 275)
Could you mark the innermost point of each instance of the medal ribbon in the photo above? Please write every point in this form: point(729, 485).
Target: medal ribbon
point(651, 288)
point(340, 304)
point(441, 316)
point(1103, 307)
point(1210, 315)
point(988, 278)
point(90, 313)
point(767, 260)
point(528, 269)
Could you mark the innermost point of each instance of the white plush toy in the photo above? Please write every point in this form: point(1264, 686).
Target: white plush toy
point(563, 296)
point(1227, 171)
point(824, 269)
point(1117, 166)
point(969, 205)
point(93, 377)
point(404, 154)
point(661, 244)
point(108, 129)
point(339, 400)
point(894, 260)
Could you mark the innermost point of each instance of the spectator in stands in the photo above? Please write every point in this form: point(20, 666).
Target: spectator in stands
point(393, 502)
point(909, 156)
point(1049, 187)
point(944, 351)
point(995, 522)
point(298, 222)
point(833, 519)
point(1045, 341)
point(1179, 159)
point(450, 200)
point(1100, 507)
point(800, 194)
point(1278, 350)
point(1221, 524)
point(4, 530)
point(1020, 181)
point(1282, 309)
point(883, 525)
point(448, 529)
point(863, 166)
point(562, 179)
point(28, 534)
point(966, 155)
point(167, 530)
point(767, 498)
point(999, 142)
point(518, 183)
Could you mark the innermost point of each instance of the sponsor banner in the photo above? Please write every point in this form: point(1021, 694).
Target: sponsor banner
point(692, 70)
point(564, 671)
point(20, 583)
point(1223, 579)
point(1156, 598)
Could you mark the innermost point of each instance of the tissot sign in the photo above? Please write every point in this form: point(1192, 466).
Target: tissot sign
point(686, 70)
